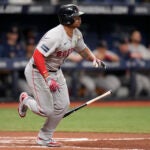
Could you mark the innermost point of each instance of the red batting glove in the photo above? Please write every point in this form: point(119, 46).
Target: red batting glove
point(53, 85)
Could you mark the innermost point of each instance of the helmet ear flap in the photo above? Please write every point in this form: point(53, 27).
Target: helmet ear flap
point(69, 20)
point(66, 20)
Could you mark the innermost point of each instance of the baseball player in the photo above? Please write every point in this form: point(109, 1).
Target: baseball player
point(44, 75)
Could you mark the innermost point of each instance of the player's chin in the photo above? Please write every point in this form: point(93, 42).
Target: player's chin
point(77, 25)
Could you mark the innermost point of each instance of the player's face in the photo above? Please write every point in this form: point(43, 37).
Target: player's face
point(77, 22)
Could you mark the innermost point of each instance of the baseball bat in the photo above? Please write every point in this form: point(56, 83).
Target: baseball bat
point(87, 103)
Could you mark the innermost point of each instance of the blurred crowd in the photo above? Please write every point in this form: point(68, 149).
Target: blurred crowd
point(14, 44)
point(18, 44)
point(123, 82)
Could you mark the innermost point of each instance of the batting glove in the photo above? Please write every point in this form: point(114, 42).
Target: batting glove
point(98, 63)
point(53, 85)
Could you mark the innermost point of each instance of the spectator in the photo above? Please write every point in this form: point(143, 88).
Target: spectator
point(101, 81)
point(106, 81)
point(123, 50)
point(103, 53)
point(137, 49)
point(141, 52)
point(22, 84)
point(124, 75)
point(30, 46)
point(12, 47)
point(125, 53)
point(139, 81)
point(31, 33)
point(85, 79)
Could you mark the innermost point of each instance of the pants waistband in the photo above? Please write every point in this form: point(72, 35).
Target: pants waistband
point(34, 66)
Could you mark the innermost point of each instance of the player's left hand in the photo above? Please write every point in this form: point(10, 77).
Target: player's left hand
point(98, 63)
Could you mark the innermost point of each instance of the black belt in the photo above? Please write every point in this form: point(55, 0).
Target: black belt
point(34, 66)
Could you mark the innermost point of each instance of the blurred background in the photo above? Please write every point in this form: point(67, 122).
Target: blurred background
point(117, 31)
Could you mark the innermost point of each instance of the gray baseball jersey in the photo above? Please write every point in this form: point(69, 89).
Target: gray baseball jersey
point(55, 45)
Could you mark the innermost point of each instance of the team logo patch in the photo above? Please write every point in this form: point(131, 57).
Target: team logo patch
point(45, 48)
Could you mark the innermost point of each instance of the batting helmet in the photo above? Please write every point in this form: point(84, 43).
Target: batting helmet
point(67, 13)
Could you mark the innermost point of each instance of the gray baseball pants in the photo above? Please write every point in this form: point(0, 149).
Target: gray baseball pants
point(51, 105)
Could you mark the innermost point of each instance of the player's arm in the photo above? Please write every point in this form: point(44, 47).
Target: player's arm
point(75, 57)
point(45, 48)
point(88, 55)
point(39, 61)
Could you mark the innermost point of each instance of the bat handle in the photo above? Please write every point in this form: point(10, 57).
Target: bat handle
point(73, 110)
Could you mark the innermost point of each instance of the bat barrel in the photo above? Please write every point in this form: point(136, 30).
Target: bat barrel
point(99, 97)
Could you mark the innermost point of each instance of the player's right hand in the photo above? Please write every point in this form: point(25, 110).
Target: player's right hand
point(53, 85)
point(98, 63)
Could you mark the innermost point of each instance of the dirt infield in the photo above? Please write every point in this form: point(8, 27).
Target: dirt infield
point(75, 141)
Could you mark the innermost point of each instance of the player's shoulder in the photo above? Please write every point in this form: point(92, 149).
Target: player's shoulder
point(54, 32)
point(77, 31)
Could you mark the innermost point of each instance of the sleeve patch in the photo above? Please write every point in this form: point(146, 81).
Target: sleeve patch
point(45, 48)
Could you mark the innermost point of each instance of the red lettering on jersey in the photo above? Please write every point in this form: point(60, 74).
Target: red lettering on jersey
point(64, 53)
point(59, 54)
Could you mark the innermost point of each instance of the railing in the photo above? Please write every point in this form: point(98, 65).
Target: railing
point(16, 65)
point(20, 63)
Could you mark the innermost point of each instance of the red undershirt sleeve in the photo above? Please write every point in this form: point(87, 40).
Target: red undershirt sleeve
point(40, 62)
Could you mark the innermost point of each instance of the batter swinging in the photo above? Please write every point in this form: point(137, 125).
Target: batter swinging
point(44, 76)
